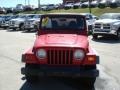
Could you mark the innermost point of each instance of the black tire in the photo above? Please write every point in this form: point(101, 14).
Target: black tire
point(88, 82)
point(28, 30)
point(21, 27)
point(101, 6)
point(31, 78)
point(95, 36)
point(118, 35)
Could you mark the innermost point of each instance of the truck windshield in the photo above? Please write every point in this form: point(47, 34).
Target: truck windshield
point(110, 16)
point(36, 16)
point(62, 22)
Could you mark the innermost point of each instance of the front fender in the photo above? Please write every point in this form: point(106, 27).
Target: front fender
point(92, 57)
point(29, 57)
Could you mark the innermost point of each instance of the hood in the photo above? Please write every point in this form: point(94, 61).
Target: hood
point(107, 21)
point(32, 20)
point(18, 19)
point(61, 40)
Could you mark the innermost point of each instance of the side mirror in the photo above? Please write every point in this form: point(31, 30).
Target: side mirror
point(96, 18)
point(88, 18)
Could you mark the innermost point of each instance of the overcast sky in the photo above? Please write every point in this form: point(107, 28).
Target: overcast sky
point(13, 3)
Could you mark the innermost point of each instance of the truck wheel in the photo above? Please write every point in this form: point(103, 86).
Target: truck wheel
point(31, 78)
point(95, 36)
point(21, 27)
point(88, 82)
point(28, 30)
point(118, 35)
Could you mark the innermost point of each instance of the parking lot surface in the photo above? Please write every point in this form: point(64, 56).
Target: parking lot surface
point(14, 43)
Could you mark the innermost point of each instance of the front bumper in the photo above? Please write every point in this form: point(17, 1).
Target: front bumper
point(29, 27)
point(104, 32)
point(71, 71)
point(13, 26)
point(4, 25)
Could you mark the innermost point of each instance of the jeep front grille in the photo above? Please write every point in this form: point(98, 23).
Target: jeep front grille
point(60, 57)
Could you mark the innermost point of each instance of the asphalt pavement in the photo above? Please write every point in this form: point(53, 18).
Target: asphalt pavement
point(14, 43)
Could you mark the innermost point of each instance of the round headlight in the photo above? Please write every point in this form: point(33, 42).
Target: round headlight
point(41, 53)
point(79, 54)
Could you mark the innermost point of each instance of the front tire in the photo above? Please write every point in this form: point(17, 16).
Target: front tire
point(88, 82)
point(118, 35)
point(21, 27)
point(31, 78)
point(95, 36)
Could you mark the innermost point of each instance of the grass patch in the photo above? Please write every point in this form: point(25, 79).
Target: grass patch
point(95, 11)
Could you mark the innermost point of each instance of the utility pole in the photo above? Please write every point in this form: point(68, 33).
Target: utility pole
point(25, 2)
point(28, 2)
point(90, 6)
point(39, 4)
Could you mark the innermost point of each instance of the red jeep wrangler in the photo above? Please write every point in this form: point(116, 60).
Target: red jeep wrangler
point(61, 48)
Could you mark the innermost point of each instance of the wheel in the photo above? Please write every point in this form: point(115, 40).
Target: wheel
point(21, 27)
point(118, 35)
point(88, 81)
point(28, 30)
point(95, 36)
point(31, 78)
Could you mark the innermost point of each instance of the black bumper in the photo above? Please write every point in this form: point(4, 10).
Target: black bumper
point(61, 71)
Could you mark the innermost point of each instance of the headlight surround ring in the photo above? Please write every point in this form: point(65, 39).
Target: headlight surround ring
point(41, 54)
point(79, 54)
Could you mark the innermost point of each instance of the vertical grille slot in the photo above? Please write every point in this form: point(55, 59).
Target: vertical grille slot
point(59, 57)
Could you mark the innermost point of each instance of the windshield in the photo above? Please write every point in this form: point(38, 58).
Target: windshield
point(30, 16)
point(16, 16)
point(63, 22)
point(27, 16)
point(110, 16)
point(36, 16)
point(22, 16)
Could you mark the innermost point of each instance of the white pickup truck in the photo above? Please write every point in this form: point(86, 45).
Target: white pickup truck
point(32, 24)
point(18, 23)
point(108, 24)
